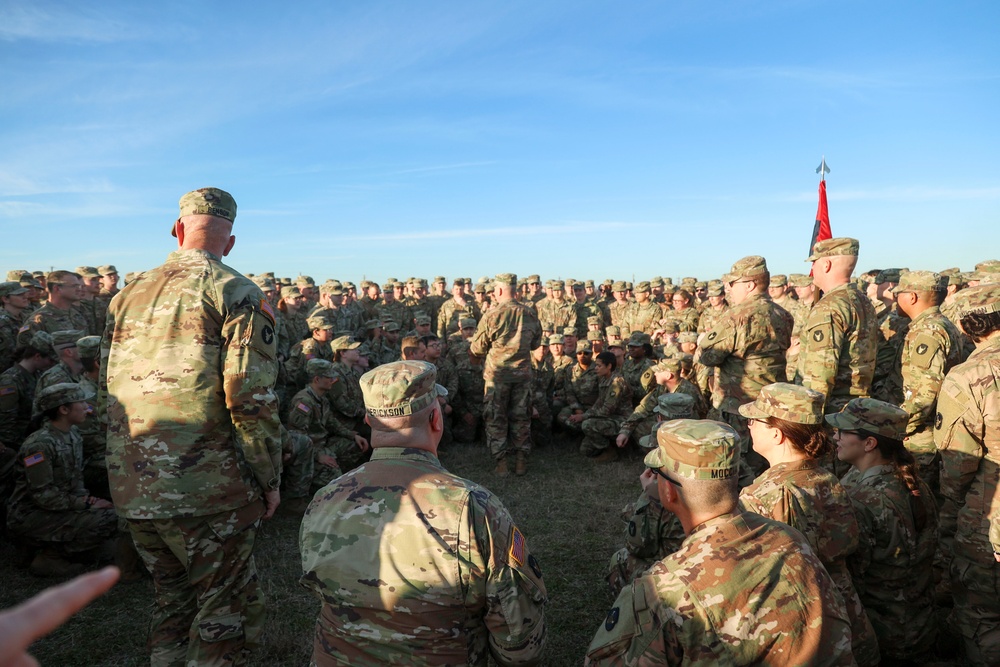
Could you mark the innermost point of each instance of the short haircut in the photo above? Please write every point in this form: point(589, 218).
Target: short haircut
point(608, 359)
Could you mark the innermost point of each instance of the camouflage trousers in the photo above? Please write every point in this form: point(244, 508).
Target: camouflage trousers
point(68, 531)
point(298, 471)
point(324, 474)
point(465, 425)
point(644, 428)
point(976, 616)
point(563, 420)
point(598, 434)
point(541, 426)
point(507, 416)
point(209, 609)
point(921, 445)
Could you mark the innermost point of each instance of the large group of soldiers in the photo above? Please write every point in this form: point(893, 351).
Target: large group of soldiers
point(607, 366)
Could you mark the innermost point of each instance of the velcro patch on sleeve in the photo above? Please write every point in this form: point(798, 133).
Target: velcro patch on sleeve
point(34, 459)
point(304, 408)
point(265, 308)
point(516, 551)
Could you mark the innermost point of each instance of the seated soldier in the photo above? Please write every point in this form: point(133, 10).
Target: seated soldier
point(600, 422)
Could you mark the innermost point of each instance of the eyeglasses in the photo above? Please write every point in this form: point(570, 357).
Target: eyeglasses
point(586, 354)
point(842, 431)
point(664, 476)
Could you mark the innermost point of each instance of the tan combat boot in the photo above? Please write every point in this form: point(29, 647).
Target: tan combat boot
point(521, 464)
point(501, 469)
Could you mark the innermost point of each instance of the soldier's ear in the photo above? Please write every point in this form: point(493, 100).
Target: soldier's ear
point(229, 246)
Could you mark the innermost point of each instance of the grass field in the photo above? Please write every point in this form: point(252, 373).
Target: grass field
point(568, 508)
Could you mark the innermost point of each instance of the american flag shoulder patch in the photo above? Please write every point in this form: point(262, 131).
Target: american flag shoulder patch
point(7, 390)
point(23, 329)
point(516, 552)
point(34, 459)
point(265, 308)
point(304, 408)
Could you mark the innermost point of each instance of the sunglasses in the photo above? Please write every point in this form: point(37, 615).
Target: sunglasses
point(664, 476)
point(586, 354)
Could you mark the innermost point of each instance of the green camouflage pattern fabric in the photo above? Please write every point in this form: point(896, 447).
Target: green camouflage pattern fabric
point(651, 534)
point(741, 590)
point(838, 346)
point(603, 419)
point(580, 386)
point(810, 499)
point(9, 326)
point(542, 385)
point(644, 317)
point(506, 416)
point(17, 395)
point(695, 449)
point(619, 312)
point(932, 347)
point(187, 370)
point(789, 402)
point(416, 566)
point(557, 311)
point(50, 319)
point(49, 503)
point(395, 311)
point(94, 431)
point(893, 566)
point(450, 316)
point(632, 371)
point(312, 416)
point(58, 374)
point(747, 347)
point(505, 336)
point(210, 609)
point(640, 422)
point(686, 320)
point(299, 465)
point(299, 355)
point(871, 415)
point(710, 316)
point(346, 398)
point(295, 330)
point(887, 379)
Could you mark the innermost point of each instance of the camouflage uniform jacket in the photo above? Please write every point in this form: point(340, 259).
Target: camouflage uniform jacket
point(345, 397)
point(741, 590)
point(932, 347)
point(93, 311)
point(652, 532)
point(893, 566)
point(49, 475)
point(447, 377)
point(887, 379)
point(51, 319)
point(649, 402)
point(786, 302)
point(748, 347)
point(967, 433)
point(17, 394)
point(619, 312)
point(187, 371)
point(687, 319)
point(710, 317)
point(560, 368)
point(586, 310)
point(542, 384)
point(838, 346)
point(311, 415)
point(8, 338)
point(343, 319)
point(400, 548)
point(58, 373)
point(295, 331)
point(94, 430)
point(449, 316)
point(558, 313)
point(580, 386)
point(643, 317)
point(633, 370)
point(810, 499)
point(295, 367)
point(506, 336)
point(614, 399)
point(395, 311)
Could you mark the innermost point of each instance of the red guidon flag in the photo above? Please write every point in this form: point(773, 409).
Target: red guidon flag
point(821, 230)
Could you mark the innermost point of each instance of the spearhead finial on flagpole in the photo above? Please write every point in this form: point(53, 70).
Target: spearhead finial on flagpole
point(822, 169)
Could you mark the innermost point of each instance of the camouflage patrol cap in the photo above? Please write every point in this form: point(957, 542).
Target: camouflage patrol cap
point(38, 274)
point(305, 281)
point(422, 319)
point(688, 281)
point(800, 280)
point(588, 283)
point(656, 282)
point(982, 299)
point(873, 416)
point(643, 286)
point(887, 276)
point(716, 290)
point(696, 449)
point(628, 285)
point(687, 337)
point(467, 323)
point(638, 339)
point(18, 275)
point(332, 289)
point(617, 342)
point(791, 402)
point(400, 388)
point(11, 289)
point(613, 330)
point(42, 341)
point(372, 324)
point(569, 331)
point(583, 346)
point(671, 326)
point(207, 201)
point(594, 319)
point(344, 343)
point(577, 286)
point(264, 283)
point(364, 350)
point(129, 277)
point(533, 278)
point(543, 341)
point(480, 288)
point(387, 286)
point(701, 284)
point(391, 326)
point(671, 364)
point(319, 322)
point(89, 347)
point(921, 281)
point(779, 280)
point(619, 286)
point(834, 248)
point(67, 338)
point(607, 282)
point(595, 336)
point(60, 394)
point(87, 272)
point(440, 279)
point(753, 266)
point(987, 264)
point(557, 339)
point(290, 292)
point(107, 269)
point(320, 368)
point(675, 406)
point(987, 272)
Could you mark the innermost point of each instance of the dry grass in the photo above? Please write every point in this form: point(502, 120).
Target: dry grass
point(567, 507)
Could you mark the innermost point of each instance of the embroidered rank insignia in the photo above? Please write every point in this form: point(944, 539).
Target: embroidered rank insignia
point(34, 459)
point(516, 552)
point(265, 308)
point(304, 408)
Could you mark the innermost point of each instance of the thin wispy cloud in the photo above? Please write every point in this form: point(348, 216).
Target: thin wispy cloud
point(76, 22)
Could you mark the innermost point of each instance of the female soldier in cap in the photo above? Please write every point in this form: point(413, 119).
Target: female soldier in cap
point(893, 566)
point(50, 505)
point(786, 425)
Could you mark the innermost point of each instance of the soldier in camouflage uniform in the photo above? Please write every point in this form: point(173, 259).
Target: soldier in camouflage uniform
point(806, 293)
point(580, 387)
point(772, 602)
point(317, 346)
point(59, 313)
point(69, 367)
point(932, 347)
point(601, 421)
point(684, 314)
point(93, 309)
point(664, 380)
point(194, 444)
point(556, 309)
point(967, 434)
point(13, 304)
point(645, 314)
point(391, 309)
point(838, 343)
point(892, 324)
point(898, 519)
point(585, 309)
point(620, 307)
point(94, 428)
point(651, 532)
point(542, 387)
point(786, 424)
point(468, 588)
point(747, 348)
point(467, 405)
point(778, 291)
point(636, 363)
point(505, 337)
point(453, 310)
point(50, 504)
point(296, 326)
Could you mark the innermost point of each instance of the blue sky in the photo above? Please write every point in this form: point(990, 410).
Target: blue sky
point(583, 139)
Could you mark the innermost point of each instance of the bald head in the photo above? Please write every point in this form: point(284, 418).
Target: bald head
point(205, 232)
